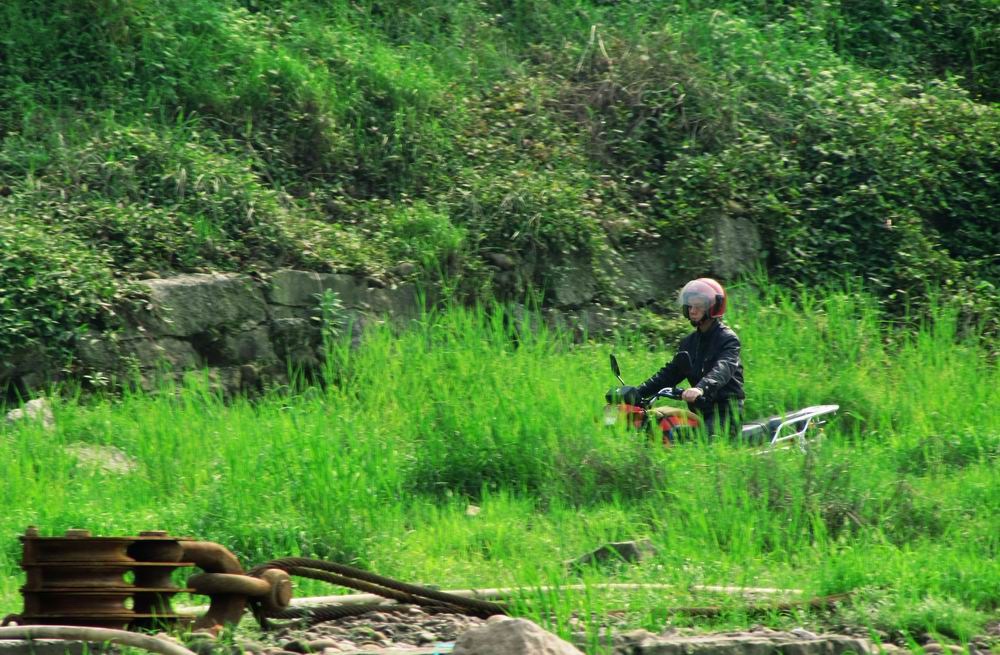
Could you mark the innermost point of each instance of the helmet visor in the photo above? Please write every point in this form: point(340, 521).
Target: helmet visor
point(696, 299)
point(705, 294)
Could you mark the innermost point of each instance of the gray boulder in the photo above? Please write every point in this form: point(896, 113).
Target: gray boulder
point(651, 273)
point(292, 288)
point(618, 551)
point(502, 635)
point(103, 459)
point(572, 285)
point(38, 410)
point(751, 643)
point(297, 341)
point(397, 302)
point(237, 347)
point(115, 356)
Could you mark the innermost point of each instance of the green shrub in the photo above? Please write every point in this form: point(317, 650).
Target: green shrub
point(420, 234)
point(913, 38)
point(845, 173)
point(53, 287)
point(149, 198)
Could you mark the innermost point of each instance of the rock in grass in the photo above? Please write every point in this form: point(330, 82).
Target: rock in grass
point(106, 459)
point(619, 551)
point(504, 636)
point(39, 410)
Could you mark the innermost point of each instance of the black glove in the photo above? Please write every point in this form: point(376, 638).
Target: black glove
point(628, 395)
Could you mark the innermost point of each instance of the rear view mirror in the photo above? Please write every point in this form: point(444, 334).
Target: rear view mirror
point(614, 369)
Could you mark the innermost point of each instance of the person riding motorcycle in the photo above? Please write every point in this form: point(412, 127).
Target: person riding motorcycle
point(709, 358)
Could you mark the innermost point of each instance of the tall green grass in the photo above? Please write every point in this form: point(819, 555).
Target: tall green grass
point(487, 407)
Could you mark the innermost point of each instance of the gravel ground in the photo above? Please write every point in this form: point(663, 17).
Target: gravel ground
point(406, 628)
point(409, 630)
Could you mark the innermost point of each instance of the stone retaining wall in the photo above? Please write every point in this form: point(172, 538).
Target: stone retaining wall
point(240, 329)
point(245, 330)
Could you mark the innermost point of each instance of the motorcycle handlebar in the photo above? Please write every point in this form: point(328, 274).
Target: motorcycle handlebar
point(673, 393)
point(676, 393)
point(617, 395)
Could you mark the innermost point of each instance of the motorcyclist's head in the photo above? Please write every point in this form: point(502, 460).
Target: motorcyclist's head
point(704, 294)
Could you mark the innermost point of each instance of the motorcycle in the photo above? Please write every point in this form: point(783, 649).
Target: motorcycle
point(675, 424)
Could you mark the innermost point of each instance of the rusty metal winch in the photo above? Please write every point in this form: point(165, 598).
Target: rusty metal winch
point(127, 582)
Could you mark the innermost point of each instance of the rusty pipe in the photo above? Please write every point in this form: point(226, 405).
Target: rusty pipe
point(210, 584)
point(210, 557)
point(213, 558)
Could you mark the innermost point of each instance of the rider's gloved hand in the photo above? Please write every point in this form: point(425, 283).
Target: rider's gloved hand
point(626, 394)
point(692, 394)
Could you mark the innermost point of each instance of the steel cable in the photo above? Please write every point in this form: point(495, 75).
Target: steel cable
point(470, 606)
point(360, 585)
point(321, 613)
point(310, 615)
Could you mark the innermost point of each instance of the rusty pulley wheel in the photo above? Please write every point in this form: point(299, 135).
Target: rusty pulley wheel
point(127, 582)
point(102, 582)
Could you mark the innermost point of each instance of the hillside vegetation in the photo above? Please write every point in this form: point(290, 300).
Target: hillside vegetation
point(147, 137)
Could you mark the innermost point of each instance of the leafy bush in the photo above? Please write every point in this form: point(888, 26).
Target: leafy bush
point(420, 234)
point(910, 37)
point(52, 287)
point(845, 173)
point(148, 198)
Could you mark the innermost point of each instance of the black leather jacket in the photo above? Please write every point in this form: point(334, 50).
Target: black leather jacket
point(708, 360)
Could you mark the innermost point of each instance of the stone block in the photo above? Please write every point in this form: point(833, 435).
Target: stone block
point(572, 285)
point(398, 302)
point(112, 355)
point(186, 305)
point(293, 288)
point(736, 246)
point(296, 341)
point(234, 348)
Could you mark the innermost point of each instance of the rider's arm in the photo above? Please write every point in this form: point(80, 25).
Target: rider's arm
point(672, 372)
point(725, 366)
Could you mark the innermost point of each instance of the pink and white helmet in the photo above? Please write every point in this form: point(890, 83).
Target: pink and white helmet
point(705, 293)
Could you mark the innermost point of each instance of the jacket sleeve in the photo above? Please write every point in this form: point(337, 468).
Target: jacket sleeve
point(672, 372)
point(725, 366)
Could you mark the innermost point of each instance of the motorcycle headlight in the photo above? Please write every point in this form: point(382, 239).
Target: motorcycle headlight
point(611, 413)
